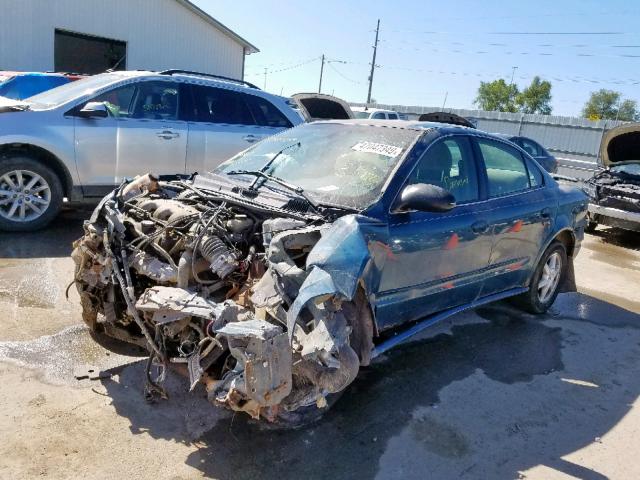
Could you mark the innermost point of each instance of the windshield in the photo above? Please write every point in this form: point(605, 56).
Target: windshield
point(337, 164)
point(360, 114)
point(71, 91)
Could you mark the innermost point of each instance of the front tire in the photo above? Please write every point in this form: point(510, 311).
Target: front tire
point(30, 194)
point(546, 280)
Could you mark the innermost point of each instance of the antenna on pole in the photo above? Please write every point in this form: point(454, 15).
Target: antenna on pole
point(265, 79)
point(373, 63)
point(321, 70)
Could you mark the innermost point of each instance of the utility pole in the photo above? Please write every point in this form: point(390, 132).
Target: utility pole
point(513, 72)
point(373, 63)
point(446, 94)
point(265, 79)
point(321, 70)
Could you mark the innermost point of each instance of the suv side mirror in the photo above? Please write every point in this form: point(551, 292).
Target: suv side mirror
point(94, 110)
point(425, 198)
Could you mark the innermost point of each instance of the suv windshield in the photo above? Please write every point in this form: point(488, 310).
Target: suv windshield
point(338, 164)
point(71, 91)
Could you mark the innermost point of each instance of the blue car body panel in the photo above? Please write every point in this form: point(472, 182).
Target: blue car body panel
point(420, 265)
point(26, 85)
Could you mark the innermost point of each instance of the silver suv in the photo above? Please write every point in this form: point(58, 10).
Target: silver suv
point(80, 140)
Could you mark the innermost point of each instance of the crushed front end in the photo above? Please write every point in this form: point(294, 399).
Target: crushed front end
point(207, 284)
point(615, 198)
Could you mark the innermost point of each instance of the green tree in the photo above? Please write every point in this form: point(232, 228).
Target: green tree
point(497, 96)
point(536, 98)
point(608, 105)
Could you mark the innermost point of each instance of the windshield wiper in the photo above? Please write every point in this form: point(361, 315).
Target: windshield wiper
point(259, 174)
point(267, 165)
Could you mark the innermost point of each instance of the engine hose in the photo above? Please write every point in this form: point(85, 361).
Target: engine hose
point(212, 247)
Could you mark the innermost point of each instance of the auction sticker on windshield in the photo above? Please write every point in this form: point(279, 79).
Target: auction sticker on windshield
point(390, 151)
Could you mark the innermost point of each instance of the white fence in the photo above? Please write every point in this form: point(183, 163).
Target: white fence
point(574, 141)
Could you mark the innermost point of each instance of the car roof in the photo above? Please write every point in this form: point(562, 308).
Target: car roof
point(200, 77)
point(403, 124)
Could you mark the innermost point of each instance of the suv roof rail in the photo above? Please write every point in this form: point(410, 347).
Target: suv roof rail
point(210, 75)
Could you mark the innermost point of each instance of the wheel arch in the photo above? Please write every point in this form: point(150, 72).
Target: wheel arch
point(45, 157)
point(568, 239)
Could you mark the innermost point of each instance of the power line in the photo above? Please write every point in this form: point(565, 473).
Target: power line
point(458, 33)
point(341, 74)
point(285, 69)
point(484, 52)
point(574, 79)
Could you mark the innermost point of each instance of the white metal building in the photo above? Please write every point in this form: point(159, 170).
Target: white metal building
point(89, 36)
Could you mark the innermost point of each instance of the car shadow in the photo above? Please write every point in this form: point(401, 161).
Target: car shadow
point(618, 237)
point(510, 348)
point(53, 241)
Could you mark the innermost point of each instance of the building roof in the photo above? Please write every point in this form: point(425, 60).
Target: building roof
point(250, 48)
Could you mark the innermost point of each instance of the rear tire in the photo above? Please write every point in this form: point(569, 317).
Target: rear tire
point(546, 280)
point(30, 194)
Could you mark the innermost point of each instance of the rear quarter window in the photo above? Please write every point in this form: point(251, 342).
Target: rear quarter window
point(535, 176)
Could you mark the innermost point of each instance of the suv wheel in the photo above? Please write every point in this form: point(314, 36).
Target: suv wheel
point(546, 280)
point(30, 194)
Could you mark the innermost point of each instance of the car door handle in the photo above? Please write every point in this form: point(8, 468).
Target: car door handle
point(480, 227)
point(167, 134)
point(251, 138)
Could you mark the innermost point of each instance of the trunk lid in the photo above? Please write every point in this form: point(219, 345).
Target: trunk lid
point(318, 106)
point(620, 145)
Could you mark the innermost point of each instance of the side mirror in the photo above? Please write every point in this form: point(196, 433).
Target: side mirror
point(94, 110)
point(425, 198)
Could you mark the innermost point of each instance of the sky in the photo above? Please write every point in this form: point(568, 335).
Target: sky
point(429, 50)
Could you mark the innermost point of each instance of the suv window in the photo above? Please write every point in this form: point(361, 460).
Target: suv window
point(118, 100)
point(449, 164)
point(378, 116)
point(265, 113)
point(506, 170)
point(218, 105)
point(393, 116)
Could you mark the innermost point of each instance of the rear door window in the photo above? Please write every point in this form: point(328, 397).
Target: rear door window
point(393, 116)
point(219, 105)
point(378, 116)
point(506, 170)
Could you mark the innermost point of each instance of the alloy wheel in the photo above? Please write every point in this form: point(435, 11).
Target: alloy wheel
point(550, 277)
point(24, 195)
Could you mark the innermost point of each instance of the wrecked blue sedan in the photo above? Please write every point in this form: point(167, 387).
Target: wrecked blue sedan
point(274, 278)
